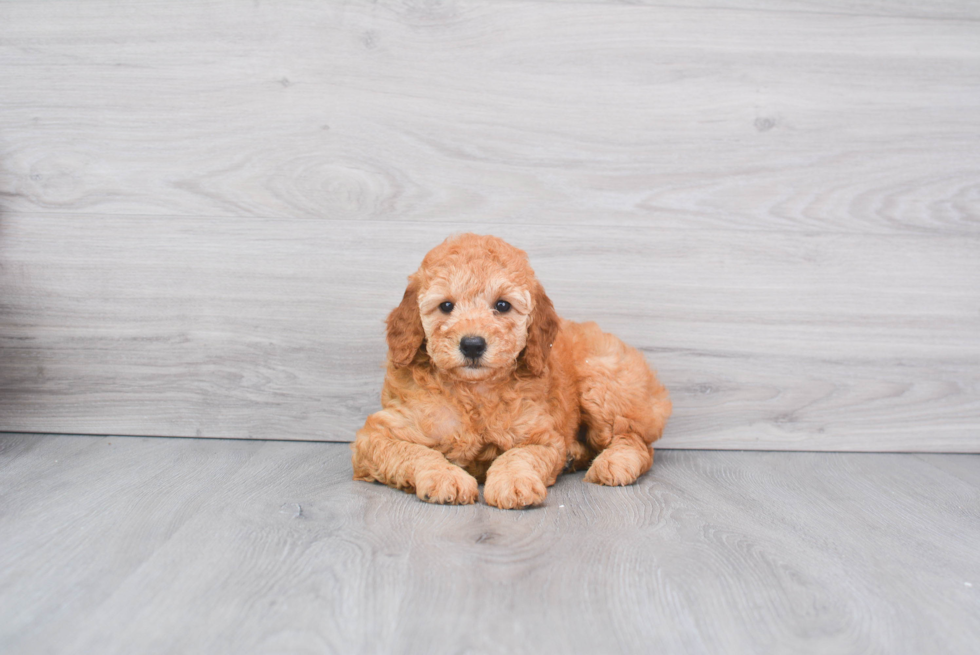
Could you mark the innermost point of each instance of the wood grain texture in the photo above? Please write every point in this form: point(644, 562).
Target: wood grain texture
point(121, 545)
point(273, 329)
point(206, 209)
point(941, 9)
point(501, 112)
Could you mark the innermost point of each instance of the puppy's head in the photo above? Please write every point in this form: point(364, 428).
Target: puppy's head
point(476, 309)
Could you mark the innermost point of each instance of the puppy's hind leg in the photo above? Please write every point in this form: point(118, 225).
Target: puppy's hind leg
point(624, 459)
point(624, 406)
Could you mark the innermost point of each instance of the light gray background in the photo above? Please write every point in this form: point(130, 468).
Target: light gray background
point(207, 209)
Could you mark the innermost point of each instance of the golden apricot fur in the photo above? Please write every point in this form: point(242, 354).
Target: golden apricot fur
point(486, 384)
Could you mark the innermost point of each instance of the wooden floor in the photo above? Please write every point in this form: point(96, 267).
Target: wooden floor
point(158, 545)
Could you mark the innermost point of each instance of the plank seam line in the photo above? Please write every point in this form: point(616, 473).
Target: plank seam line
point(336, 442)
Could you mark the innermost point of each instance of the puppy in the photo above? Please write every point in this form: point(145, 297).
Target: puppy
point(486, 384)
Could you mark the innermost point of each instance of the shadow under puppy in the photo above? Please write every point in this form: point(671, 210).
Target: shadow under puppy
point(485, 383)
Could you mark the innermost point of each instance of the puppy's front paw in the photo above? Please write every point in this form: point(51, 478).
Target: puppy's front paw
point(446, 486)
point(615, 468)
point(514, 488)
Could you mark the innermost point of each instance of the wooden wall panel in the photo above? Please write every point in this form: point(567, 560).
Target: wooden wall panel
point(517, 113)
point(207, 209)
point(272, 328)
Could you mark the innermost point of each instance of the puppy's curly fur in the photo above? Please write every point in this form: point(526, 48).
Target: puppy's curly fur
point(485, 383)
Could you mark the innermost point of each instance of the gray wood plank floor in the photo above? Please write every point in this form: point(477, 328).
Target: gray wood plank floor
point(207, 209)
point(126, 545)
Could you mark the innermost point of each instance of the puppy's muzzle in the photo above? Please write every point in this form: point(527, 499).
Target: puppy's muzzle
point(473, 347)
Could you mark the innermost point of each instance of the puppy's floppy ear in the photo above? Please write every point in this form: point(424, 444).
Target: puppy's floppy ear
point(405, 333)
point(541, 332)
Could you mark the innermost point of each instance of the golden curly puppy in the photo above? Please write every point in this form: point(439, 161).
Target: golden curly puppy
point(485, 383)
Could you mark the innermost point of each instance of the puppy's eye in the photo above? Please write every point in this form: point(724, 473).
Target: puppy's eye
point(446, 307)
point(502, 306)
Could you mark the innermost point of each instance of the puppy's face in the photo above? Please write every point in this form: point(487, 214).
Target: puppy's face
point(475, 308)
point(475, 320)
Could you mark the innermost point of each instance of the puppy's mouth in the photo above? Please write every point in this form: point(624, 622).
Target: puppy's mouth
point(473, 369)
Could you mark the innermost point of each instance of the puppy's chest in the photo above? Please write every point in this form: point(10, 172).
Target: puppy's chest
point(465, 427)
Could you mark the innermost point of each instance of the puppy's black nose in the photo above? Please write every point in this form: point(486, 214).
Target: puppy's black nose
point(473, 347)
